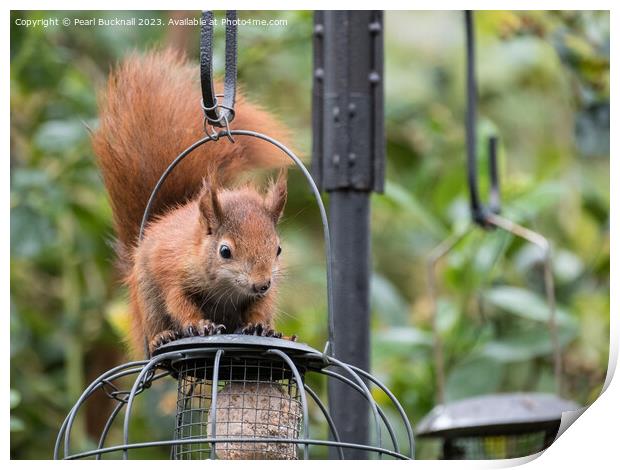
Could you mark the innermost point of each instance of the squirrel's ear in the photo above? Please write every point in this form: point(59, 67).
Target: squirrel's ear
point(210, 209)
point(275, 199)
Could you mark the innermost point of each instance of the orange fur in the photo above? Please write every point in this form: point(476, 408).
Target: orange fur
point(150, 112)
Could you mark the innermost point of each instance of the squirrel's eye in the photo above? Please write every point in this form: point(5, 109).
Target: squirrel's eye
point(279, 251)
point(225, 252)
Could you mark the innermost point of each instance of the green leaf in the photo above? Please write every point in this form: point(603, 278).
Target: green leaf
point(31, 233)
point(387, 301)
point(16, 398)
point(567, 266)
point(60, 136)
point(535, 200)
point(526, 345)
point(447, 315)
point(407, 201)
point(473, 376)
point(525, 304)
point(403, 336)
point(17, 425)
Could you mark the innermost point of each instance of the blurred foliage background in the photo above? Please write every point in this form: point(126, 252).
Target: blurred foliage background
point(544, 90)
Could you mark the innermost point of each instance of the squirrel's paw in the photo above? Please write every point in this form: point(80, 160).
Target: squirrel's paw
point(162, 338)
point(258, 329)
point(203, 328)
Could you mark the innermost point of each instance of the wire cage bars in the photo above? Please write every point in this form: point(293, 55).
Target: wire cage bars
point(241, 397)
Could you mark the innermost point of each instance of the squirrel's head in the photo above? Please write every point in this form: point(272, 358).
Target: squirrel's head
point(242, 247)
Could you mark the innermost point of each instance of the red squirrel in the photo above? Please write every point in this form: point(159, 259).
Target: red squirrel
point(208, 261)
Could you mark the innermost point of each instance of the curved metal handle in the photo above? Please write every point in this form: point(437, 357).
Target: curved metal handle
point(222, 119)
point(311, 183)
point(216, 113)
point(446, 246)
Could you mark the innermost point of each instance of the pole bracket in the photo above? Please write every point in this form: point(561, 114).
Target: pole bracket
point(349, 137)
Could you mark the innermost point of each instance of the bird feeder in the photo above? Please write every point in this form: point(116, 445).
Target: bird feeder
point(498, 425)
point(504, 425)
point(240, 396)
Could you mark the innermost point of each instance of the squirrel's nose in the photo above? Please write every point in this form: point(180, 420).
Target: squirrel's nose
point(261, 288)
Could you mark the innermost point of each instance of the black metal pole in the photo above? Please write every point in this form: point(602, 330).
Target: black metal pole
point(471, 117)
point(348, 163)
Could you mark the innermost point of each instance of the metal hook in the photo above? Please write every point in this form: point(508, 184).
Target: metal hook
point(213, 134)
point(214, 111)
point(227, 131)
point(478, 210)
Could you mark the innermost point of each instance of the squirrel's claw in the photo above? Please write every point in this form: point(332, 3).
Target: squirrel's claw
point(249, 329)
point(259, 329)
point(163, 338)
point(190, 330)
point(208, 328)
point(272, 333)
point(202, 328)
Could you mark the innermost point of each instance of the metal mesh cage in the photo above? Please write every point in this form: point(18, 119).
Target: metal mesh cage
point(486, 447)
point(241, 397)
point(254, 398)
point(507, 446)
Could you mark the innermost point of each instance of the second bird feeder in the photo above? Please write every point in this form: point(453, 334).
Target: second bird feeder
point(502, 425)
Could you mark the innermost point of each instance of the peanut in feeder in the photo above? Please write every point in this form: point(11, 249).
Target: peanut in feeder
point(239, 395)
point(257, 410)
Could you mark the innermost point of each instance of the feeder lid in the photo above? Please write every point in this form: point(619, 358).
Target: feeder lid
point(237, 342)
point(508, 413)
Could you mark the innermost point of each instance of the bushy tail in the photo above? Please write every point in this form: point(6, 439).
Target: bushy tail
point(149, 113)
